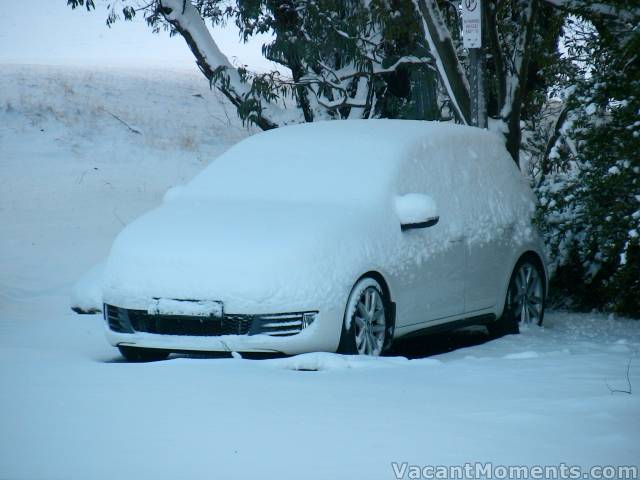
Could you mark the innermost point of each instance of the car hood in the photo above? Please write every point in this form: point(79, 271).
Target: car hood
point(254, 257)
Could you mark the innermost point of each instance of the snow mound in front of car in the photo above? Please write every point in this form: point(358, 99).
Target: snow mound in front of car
point(322, 361)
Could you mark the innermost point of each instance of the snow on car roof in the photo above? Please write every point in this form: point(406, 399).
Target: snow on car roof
point(351, 160)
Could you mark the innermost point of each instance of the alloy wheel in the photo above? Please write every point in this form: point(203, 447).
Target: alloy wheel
point(369, 322)
point(526, 295)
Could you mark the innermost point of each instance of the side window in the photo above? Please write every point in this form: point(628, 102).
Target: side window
point(474, 183)
point(488, 185)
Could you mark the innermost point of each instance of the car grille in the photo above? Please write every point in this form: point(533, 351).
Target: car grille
point(130, 321)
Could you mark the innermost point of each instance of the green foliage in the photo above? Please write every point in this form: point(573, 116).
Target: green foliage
point(81, 3)
point(127, 11)
point(330, 45)
point(590, 202)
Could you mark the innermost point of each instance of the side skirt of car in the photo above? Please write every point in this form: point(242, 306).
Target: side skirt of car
point(443, 327)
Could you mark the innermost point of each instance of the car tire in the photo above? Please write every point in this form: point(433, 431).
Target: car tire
point(366, 328)
point(524, 302)
point(139, 354)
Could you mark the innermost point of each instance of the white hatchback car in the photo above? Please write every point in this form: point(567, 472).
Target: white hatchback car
point(331, 236)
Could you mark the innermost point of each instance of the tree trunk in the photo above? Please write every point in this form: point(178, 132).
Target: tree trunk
point(449, 67)
point(516, 86)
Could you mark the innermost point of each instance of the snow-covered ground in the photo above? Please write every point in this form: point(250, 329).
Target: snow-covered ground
point(72, 174)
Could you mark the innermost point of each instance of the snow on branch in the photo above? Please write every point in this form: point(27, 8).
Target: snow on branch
point(186, 19)
point(599, 8)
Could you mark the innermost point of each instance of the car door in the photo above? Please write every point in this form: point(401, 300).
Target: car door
point(492, 186)
point(432, 287)
point(486, 269)
point(432, 283)
point(443, 274)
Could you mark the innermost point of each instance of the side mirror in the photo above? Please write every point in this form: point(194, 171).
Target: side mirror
point(416, 210)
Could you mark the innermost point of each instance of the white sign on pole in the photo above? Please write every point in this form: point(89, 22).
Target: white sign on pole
point(471, 24)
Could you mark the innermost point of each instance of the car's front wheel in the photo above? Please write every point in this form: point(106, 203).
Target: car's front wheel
point(365, 329)
point(524, 304)
point(139, 354)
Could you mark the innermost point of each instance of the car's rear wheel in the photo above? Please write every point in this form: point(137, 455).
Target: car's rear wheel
point(365, 329)
point(524, 304)
point(139, 354)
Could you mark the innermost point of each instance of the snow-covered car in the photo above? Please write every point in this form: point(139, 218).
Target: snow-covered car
point(330, 236)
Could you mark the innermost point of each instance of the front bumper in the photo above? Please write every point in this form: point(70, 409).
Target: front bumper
point(288, 333)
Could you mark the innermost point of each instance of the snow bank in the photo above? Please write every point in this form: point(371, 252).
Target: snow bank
point(111, 104)
point(72, 175)
point(320, 361)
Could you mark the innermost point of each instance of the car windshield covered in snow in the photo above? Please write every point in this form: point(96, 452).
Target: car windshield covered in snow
point(331, 162)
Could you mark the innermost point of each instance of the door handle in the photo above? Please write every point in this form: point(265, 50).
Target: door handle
point(457, 239)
